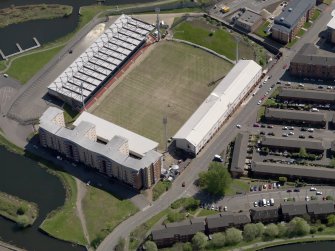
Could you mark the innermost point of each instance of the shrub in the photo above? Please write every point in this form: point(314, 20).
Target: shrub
point(321, 228)
point(233, 236)
point(23, 221)
point(218, 240)
point(199, 241)
point(313, 230)
point(282, 180)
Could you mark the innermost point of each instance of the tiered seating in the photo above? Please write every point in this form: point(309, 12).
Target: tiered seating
point(101, 59)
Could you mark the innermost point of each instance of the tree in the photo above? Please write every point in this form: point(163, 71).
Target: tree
point(271, 232)
point(218, 240)
point(249, 232)
point(187, 246)
point(282, 180)
point(282, 229)
point(259, 229)
point(297, 227)
point(150, 246)
point(329, 197)
point(303, 153)
point(199, 241)
point(216, 180)
point(233, 236)
point(331, 220)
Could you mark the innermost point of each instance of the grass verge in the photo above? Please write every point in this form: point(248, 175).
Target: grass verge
point(206, 212)
point(237, 186)
point(63, 223)
point(261, 30)
point(24, 13)
point(27, 66)
point(160, 188)
point(22, 212)
point(261, 113)
point(103, 212)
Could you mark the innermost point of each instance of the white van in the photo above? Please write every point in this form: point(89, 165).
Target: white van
point(314, 109)
point(272, 201)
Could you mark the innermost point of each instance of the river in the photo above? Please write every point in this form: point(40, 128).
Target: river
point(45, 30)
point(309, 246)
point(23, 177)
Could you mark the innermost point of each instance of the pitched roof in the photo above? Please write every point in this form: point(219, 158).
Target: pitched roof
point(264, 213)
point(240, 152)
point(309, 144)
point(183, 228)
point(295, 115)
point(310, 55)
point(293, 170)
point(307, 94)
point(226, 219)
point(292, 13)
point(294, 208)
point(320, 207)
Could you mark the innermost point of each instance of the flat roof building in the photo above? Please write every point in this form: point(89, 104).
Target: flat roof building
point(288, 23)
point(249, 20)
point(239, 154)
point(295, 117)
point(218, 106)
point(104, 146)
point(293, 172)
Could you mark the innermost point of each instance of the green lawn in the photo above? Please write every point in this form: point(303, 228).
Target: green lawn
point(328, 2)
point(237, 186)
point(25, 67)
point(260, 31)
point(206, 212)
point(204, 34)
point(307, 25)
point(103, 212)
point(22, 212)
point(63, 223)
point(260, 113)
point(316, 15)
point(2, 65)
point(173, 79)
point(301, 33)
point(160, 188)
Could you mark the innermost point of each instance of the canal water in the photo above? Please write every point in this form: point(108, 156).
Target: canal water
point(23, 178)
point(45, 30)
point(309, 246)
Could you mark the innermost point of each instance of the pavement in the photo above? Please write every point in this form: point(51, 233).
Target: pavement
point(246, 114)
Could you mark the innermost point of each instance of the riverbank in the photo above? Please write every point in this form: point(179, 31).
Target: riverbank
point(22, 212)
point(20, 14)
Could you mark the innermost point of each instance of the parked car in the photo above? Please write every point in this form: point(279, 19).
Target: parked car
point(297, 190)
point(256, 204)
point(289, 191)
point(285, 135)
point(263, 126)
point(238, 126)
point(257, 125)
point(318, 193)
point(302, 136)
point(262, 133)
point(270, 126)
point(271, 134)
point(307, 198)
point(285, 128)
point(311, 136)
point(312, 189)
point(272, 202)
point(291, 133)
point(291, 128)
point(218, 158)
point(310, 130)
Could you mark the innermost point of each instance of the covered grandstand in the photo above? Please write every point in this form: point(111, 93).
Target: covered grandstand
point(217, 108)
point(100, 61)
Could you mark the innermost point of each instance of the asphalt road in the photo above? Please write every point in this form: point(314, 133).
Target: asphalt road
point(246, 115)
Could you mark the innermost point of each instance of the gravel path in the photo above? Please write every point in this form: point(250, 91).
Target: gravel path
point(81, 191)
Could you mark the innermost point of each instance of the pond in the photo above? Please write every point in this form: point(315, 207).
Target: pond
point(309, 246)
point(23, 178)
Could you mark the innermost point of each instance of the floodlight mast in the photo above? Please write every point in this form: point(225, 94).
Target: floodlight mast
point(157, 10)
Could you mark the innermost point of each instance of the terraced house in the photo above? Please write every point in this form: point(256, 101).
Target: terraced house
point(104, 146)
point(294, 15)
